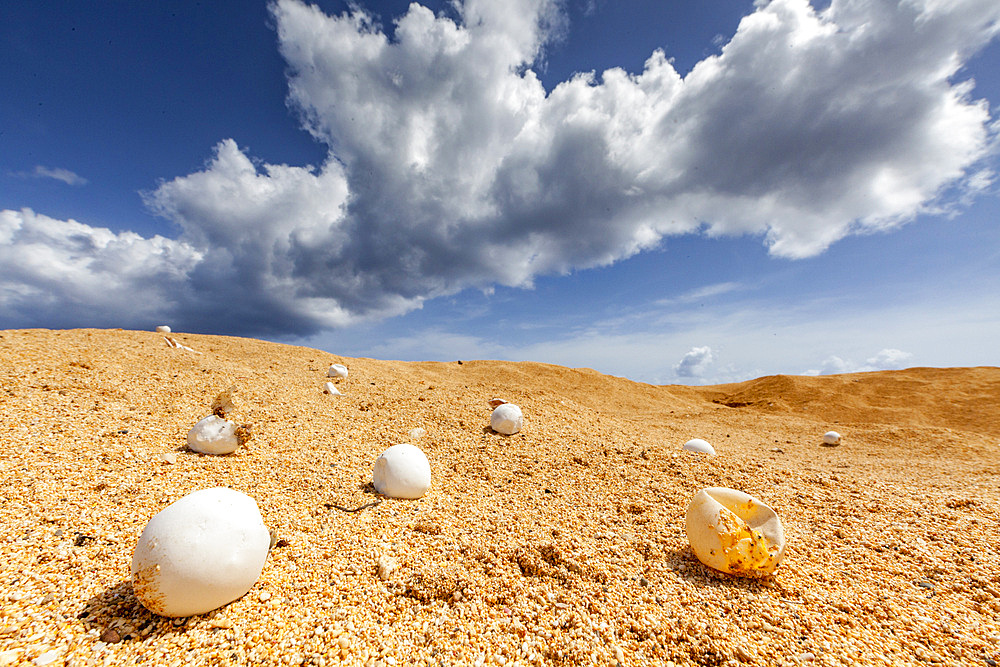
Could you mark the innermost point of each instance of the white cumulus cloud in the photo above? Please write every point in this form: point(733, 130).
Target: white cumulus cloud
point(450, 166)
point(694, 363)
point(65, 273)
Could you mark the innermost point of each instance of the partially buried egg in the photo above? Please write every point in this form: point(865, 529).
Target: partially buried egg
point(507, 419)
point(699, 446)
point(402, 472)
point(213, 435)
point(733, 532)
point(200, 553)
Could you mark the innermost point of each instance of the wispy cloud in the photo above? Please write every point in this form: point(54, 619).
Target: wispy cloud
point(886, 359)
point(451, 167)
point(59, 174)
point(703, 293)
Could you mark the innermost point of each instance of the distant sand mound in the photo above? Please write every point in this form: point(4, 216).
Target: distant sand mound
point(965, 399)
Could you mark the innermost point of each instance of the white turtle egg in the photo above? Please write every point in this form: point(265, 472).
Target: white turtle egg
point(163, 328)
point(402, 472)
point(831, 438)
point(733, 532)
point(507, 419)
point(337, 371)
point(699, 446)
point(213, 435)
point(200, 553)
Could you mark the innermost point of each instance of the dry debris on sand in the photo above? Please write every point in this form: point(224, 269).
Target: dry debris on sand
point(562, 544)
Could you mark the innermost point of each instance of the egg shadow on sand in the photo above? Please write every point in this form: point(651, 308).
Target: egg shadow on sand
point(488, 430)
point(119, 617)
point(702, 575)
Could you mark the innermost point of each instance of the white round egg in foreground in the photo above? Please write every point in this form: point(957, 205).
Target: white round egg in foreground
point(699, 446)
point(337, 371)
point(402, 472)
point(213, 435)
point(831, 438)
point(199, 553)
point(507, 419)
point(733, 532)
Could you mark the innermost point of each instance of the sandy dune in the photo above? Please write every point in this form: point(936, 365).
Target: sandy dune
point(563, 544)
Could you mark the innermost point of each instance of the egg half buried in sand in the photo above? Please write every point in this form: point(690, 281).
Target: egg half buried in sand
point(733, 532)
point(199, 553)
point(507, 419)
point(831, 438)
point(402, 472)
point(699, 446)
point(213, 435)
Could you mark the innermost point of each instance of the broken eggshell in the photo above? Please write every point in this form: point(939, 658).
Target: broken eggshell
point(402, 472)
point(331, 389)
point(507, 419)
point(337, 371)
point(733, 532)
point(199, 553)
point(213, 435)
point(699, 446)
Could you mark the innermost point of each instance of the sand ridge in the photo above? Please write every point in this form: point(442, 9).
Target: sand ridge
point(562, 544)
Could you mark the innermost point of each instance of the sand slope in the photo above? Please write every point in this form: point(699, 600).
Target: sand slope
point(563, 544)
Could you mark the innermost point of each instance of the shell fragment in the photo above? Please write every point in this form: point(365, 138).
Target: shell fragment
point(699, 446)
point(331, 389)
point(733, 532)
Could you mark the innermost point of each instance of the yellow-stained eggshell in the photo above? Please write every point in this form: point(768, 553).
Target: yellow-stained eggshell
point(733, 532)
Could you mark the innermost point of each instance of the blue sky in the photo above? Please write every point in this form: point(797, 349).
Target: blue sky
point(734, 190)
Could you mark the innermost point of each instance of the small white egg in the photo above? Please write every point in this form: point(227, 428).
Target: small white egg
point(402, 472)
point(507, 419)
point(831, 438)
point(213, 435)
point(733, 532)
point(163, 328)
point(337, 371)
point(699, 446)
point(200, 553)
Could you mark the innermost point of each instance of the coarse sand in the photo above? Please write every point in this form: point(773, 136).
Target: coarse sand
point(563, 544)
